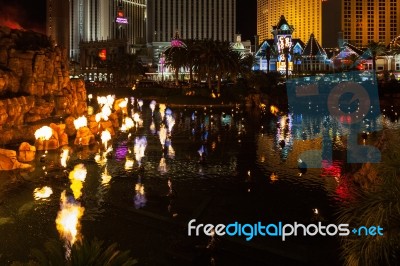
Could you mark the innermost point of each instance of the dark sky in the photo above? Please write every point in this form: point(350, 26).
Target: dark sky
point(246, 19)
point(30, 14)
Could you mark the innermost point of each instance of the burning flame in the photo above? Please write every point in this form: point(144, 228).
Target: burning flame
point(42, 193)
point(68, 219)
point(80, 122)
point(77, 177)
point(128, 124)
point(44, 133)
point(123, 103)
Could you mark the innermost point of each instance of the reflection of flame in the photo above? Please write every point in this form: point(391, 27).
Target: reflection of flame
point(273, 177)
point(80, 122)
point(153, 127)
point(170, 122)
point(139, 148)
point(162, 135)
point(64, 157)
point(68, 219)
point(44, 133)
point(42, 193)
point(273, 109)
point(152, 106)
point(77, 177)
point(162, 167)
point(105, 137)
point(162, 110)
point(140, 198)
point(129, 164)
point(105, 177)
point(136, 118)
point(171, 152)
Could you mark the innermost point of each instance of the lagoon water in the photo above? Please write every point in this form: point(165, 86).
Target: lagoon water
point(248, 172)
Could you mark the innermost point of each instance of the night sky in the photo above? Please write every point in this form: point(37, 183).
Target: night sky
point(31, 14)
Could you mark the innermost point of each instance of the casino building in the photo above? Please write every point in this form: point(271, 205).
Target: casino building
point(96, 20)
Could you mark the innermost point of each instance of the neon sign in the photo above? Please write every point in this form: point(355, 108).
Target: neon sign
point(120, 20)
point(284, 44)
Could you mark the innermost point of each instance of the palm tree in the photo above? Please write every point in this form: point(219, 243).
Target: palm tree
point(269, 53)
point(352, 61)
point(286, 52)
point(246, 63)
point(192, 57)
point(375, 202)
point(297, 57)
point(208, 60)
point(124, 67)
point(228, 60)
point(81, 253)
point(176, 58)
point(375, 49)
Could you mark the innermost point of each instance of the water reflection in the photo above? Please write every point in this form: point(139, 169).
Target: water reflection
point(207, 160)
point(42, 193)
point(140, 197)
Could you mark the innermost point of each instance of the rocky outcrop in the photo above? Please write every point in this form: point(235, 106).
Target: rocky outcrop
point(34, 82)
point(26, 152)
point(8, 161)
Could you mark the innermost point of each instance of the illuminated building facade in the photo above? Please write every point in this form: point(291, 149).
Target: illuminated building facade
point(305, 16)
point(97, 20)
point(263, 31)
point(193, 19)
point(370, 20)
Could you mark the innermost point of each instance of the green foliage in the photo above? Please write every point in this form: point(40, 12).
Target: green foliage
point(375, 204)
point(82, 253)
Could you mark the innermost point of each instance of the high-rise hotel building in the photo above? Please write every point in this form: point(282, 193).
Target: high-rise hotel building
point(263, 31)
point(96, 20)
point(193, 19)
point(370, 20)
point(304, 15)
